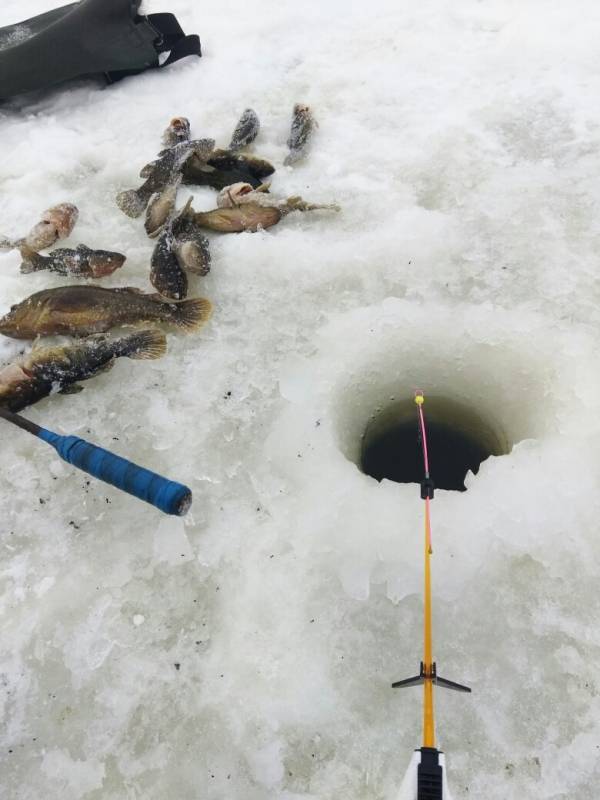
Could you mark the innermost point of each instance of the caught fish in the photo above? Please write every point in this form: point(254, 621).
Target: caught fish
point(178, 131)
point(83, 310)
point(56, 223)
point(82, 262)
point(224, 167)
point(190, 245)
point(47, 370)
point(303, 125)
point(244, 209)
point(161, 207)
point(166, 274)
point(248, 217)
point(161, 172)
point(181, 247)
point(246, 130)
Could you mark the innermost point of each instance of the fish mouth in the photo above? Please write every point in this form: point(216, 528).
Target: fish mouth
point(12, 375)
point(180, 124)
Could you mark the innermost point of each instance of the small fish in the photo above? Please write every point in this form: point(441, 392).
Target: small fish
point(166, 274)
point(224, 167)
point(47, 370)
point(82, 262)
point(161, 207)
point(161, 172)
point(303, 124)
point(181, 247)
point(246, 130)
point(83, 310)
point(56, 223)
point(178, 131)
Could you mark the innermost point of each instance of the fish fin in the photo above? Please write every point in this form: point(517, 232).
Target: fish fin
point(145, 345)
point(187, 210)
point(131, 203)
point(180, 218)
point(108, 365)
point(292, 157)
point(72, 388)
point(129, 290)
point(147, 169)
point(37, 344)
point(32, 260)
point(191, 314)
point(95, 338)
point(83, 248)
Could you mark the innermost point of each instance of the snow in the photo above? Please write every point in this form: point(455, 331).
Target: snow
point(247, 652)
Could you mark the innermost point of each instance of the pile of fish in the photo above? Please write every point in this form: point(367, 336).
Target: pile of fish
point(80, 310)
point(244, 202)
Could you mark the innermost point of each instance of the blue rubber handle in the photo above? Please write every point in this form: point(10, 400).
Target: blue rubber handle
point(169, 496)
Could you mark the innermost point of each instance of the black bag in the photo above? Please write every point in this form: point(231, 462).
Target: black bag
point(92, 37)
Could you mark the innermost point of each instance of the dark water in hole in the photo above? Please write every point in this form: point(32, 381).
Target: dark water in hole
point(395, 454)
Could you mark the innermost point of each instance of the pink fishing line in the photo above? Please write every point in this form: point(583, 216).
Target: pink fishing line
point(424, 438)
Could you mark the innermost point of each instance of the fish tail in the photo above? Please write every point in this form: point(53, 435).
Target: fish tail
point(146, 344)
point(298, 204)
point(131, 203)
point(32, 260)
point(191, 315)
point(6, 243)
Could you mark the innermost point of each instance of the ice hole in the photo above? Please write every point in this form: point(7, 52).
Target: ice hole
point(458, 440)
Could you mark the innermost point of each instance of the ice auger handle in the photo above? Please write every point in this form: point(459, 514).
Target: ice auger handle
point(169, 496)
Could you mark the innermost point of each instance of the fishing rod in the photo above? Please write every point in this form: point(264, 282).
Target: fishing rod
point(430, 774)
point(168, 496)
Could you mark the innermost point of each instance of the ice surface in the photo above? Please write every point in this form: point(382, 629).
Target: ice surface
point(247, 653)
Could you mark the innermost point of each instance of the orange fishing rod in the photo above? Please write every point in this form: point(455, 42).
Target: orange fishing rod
point(430, 772)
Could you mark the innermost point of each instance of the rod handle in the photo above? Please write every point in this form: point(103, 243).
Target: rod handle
point(169, 496)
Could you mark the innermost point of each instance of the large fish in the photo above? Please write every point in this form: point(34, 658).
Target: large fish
point(47, 370)
point(82, 262)
point(83, 310)
point(161, 173)
point(56, 223)
point(246, 130)
point(303, 125)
